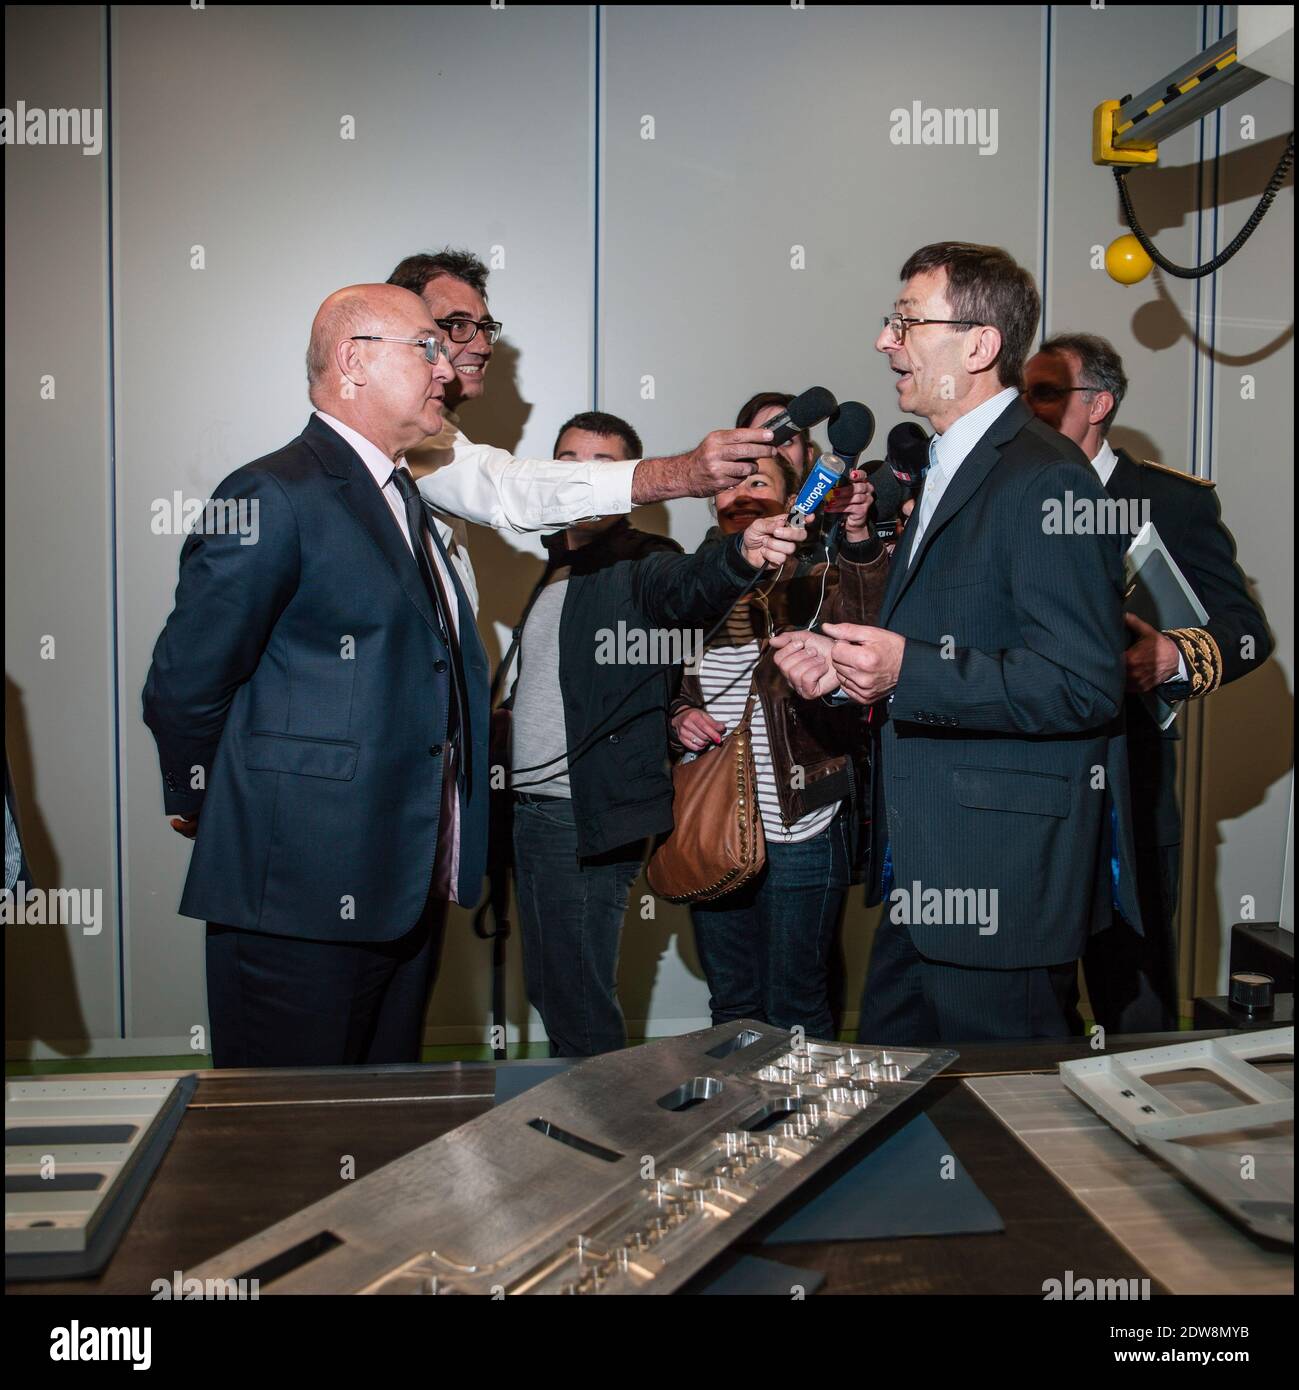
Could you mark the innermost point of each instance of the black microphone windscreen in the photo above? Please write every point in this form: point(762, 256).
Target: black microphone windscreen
point(813, 406)
point(851, 430)
point(889, 493)
point(908, 449)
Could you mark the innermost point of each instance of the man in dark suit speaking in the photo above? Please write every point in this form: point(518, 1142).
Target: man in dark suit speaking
point(319, 695)
point(1000, 825)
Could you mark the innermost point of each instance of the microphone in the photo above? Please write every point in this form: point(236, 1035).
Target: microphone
point(908, 454)
point(889, 492)
point(822, 478)
point(851, 430)
point(813, 406)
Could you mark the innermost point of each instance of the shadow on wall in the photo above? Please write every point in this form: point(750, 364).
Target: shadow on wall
point(1248, 747)
point(1159, 324)
point(1237, 766)
point(39, 980)
point(1165, 198)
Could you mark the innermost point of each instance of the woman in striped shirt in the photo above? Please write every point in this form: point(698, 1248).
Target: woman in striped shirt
point(765, 947)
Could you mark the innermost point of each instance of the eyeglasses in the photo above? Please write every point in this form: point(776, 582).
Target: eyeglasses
point(899, 323)
point(1043, 393)
point(466, 330)
point(433, 347)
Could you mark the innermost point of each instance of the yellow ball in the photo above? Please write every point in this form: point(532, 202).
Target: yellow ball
point(1126, 262)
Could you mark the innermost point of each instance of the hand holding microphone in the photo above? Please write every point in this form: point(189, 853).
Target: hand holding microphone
point(851, 430)
point(769, 541)
point(726, 457)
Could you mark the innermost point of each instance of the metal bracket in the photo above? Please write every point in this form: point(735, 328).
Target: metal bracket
point(1240, 1156)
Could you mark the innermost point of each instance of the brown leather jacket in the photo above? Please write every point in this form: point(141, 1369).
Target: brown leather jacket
point(828, 742)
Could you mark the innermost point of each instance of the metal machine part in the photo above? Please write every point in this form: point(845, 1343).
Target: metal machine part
point(1239, 1155)
point(1129, 131)
point(626, 1174)
point(78, 1156)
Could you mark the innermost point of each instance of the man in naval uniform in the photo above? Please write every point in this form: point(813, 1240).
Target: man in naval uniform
point(1075, 384)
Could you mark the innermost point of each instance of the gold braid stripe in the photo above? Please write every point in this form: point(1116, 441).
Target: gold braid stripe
point(1203, 659)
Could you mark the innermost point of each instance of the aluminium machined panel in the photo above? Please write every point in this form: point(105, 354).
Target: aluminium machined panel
point(626, 1174)
point(1240, 1156)
point(78, 1157)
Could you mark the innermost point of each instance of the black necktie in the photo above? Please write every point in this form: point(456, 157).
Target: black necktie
point(421, 538)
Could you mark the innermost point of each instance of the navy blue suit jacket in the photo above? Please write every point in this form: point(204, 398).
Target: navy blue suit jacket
point(297, 694)
point(1002, 752)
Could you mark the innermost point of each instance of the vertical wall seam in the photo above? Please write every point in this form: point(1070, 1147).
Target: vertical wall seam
point(1047, 97)
point(113, 606)
point(1205, 469)
point(598, 110)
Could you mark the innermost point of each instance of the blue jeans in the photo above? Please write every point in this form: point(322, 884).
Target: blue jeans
point(765, 948)
point(571, 913)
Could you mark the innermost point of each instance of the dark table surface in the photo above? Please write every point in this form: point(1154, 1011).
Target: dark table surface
point(257, 1146)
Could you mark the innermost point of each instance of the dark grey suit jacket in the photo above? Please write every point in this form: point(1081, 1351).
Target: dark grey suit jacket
point(306, 679)
point(1001, 761)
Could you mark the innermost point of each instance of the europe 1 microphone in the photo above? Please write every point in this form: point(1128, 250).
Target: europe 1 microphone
point(850, 432)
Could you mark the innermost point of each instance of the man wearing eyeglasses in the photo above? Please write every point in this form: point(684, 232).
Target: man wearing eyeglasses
point(319, 695)
point(454, 286)
point(995, 678)
point(1076, 384)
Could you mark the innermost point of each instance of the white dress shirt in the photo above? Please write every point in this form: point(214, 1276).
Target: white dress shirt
point(493, 488)
point(948, 451)
point(381, 469)
point(1105, 462)
point(453, 532)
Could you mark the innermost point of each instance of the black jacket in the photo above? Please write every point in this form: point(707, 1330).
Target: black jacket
point(1002, 749)
point(615, 712)
point(1236, 641)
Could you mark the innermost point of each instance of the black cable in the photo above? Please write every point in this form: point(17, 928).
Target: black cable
point(599, 731)
point(1241, 237)
point(583, 746)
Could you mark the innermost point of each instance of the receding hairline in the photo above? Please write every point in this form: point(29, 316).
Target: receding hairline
point(354, 309)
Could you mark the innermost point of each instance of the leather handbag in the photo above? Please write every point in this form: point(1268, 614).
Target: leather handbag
point(717, 842)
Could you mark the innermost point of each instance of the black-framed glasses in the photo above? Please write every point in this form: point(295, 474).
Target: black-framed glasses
point(433, 347)
point(1044, 393)
point(899, 323)
point(466, 330)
